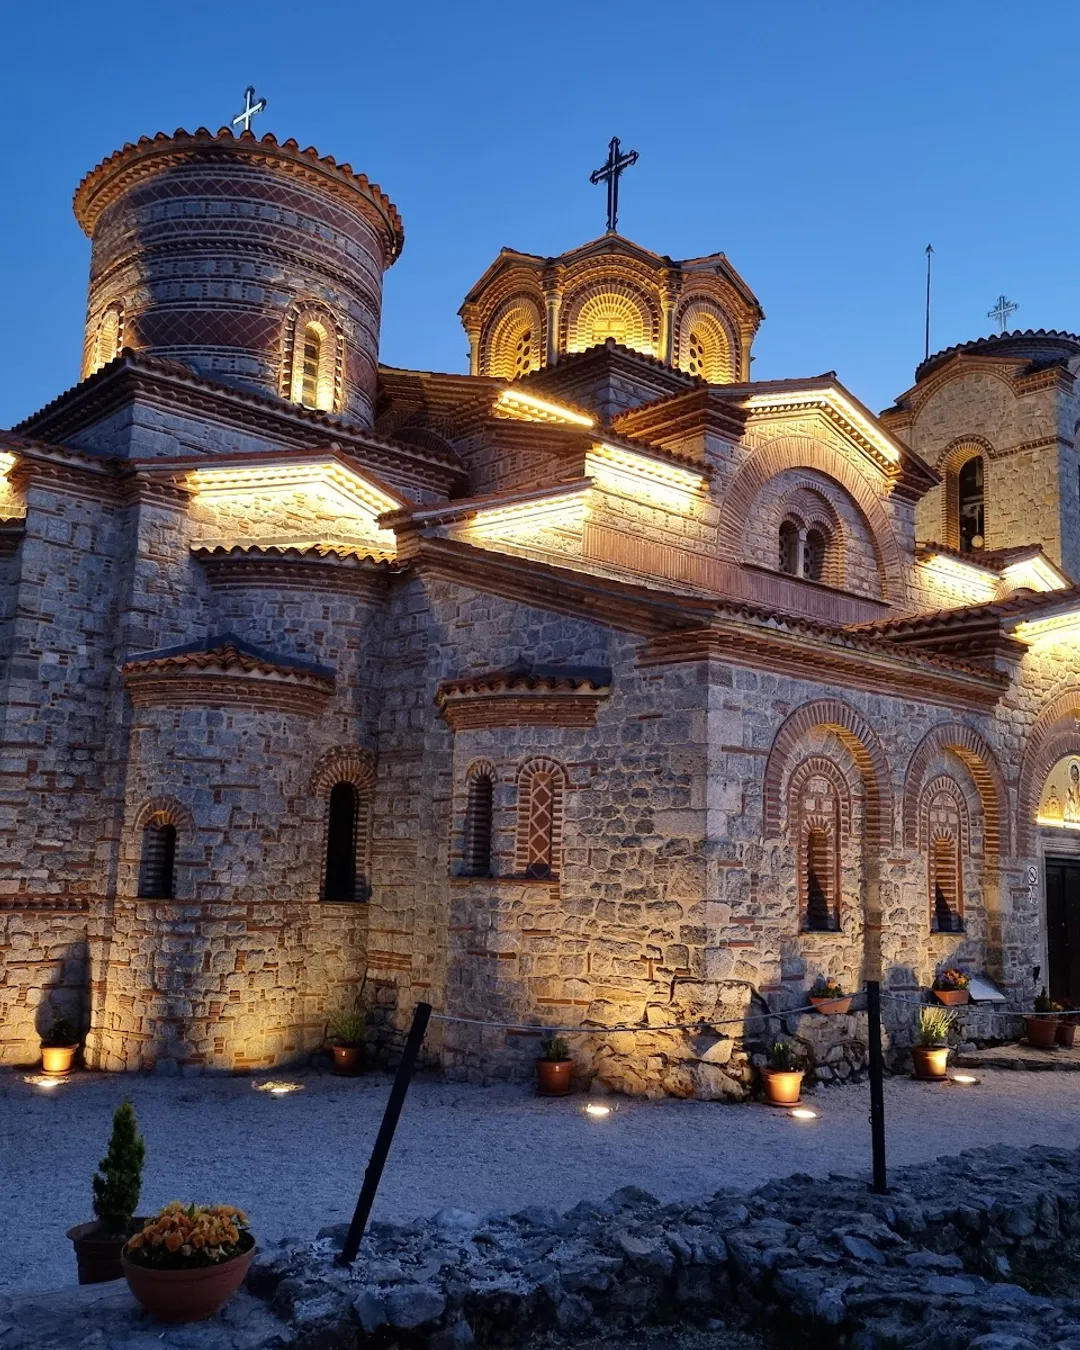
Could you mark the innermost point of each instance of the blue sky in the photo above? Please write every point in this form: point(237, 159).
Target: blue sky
point(821, 146)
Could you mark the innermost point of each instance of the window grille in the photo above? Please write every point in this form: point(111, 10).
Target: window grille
point(478, 826)
point(156, 862)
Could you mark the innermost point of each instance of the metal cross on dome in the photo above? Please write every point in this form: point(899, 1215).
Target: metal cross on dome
point(1001, 312)
point(252, 105)
point(609, 173)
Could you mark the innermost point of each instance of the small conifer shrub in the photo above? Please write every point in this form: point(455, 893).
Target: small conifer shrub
point(118, 1184)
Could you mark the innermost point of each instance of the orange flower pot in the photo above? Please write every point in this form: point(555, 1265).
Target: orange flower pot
point(930, 1062)
point(952, 998)
point(187, 1295)
point(57, 1059)
point(831, 1006)
point(1040, 1031)
point(782, 1086)
point(553, 1077)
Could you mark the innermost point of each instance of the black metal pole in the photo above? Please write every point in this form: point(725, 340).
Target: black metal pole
point(385, 1137)
point(877, 1086)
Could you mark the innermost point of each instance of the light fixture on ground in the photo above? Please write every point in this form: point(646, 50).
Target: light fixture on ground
point(965, 1079)
point(803, 1113)
point(278, 1087)
point(598, 1110)
point(42, 1080)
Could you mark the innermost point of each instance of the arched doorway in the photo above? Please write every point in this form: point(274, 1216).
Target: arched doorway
point(1058, 819)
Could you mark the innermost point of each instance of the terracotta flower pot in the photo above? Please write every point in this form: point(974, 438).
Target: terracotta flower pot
point(782, 1086)
point(951, 997)
point(98, 1256)
point(553, 1077)
point(929, 1062)
point(831, 1006)
point(188, 1295)
point(1065, 1034)
point(1040, 1031)
point(57, 1059)
point(347, 1059)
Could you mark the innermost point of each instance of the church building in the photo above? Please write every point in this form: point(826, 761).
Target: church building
point(601, 685)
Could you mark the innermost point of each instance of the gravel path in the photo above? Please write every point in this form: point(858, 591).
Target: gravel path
point(296, 1162)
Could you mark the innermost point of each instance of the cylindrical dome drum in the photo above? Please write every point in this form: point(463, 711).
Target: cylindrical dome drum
point(253, 263)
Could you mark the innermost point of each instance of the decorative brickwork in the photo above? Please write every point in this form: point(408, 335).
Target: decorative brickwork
point(981, 763)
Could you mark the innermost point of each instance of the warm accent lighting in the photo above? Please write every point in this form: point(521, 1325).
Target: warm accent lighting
point(803, 1113)
point(973, 581)
point(279, 1088)
point(613, 458)
point(833, 399)
point(561, 512)
point(967, 1079)
point(1057, 628)
point(7, 463)
point(42, 1080)
point(596, 1110)
point(1033, 574)
point(514, 403)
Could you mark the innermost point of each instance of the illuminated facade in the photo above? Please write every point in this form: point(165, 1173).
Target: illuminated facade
point(598, 684)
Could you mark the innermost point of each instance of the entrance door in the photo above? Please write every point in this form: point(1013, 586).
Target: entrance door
point(1063, 928)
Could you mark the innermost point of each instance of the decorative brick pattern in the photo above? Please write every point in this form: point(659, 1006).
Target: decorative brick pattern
point(981, 763)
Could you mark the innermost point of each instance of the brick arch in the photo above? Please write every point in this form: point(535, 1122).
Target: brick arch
point(343, 764)
point(173, 811)
point(529, 779)
point(1056, 733)
point(951, 460)
point(806, 500)
point(960, 450)
point(803, 452)
point(625, 295)
point(517, 315)
point(948, 785)
point(981, 763)
point(820, 766)
point(861, 742)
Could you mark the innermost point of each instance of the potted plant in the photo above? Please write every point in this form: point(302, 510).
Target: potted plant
point(829, 997)
point(346, 1032)
point(930, 1055)
point(58, 1047)
point(782, 1080)
point(1041, 1030)
point(116, 1193)
point(553, 1068)
point(951, 987)
point(188, 1260)
point(1065, 1032)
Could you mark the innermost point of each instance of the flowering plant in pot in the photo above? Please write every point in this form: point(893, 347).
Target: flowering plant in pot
point(1041, 1030)
point(930, 1055)
point(345, 1030)
point(1065, 1031)
point(951, 987)
point(781, 1078)
point(553, 1068)
point(188, 1260)
point(828, 997)
point(58, 1047)
point(117, 1187)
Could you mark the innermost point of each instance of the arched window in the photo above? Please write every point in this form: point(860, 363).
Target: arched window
point(479, 803)
point(971, 512)
point(109, 338)
point(523, 354)
point(945, 898)
point(819, 884)
point(343, 875)
point(156, 861)
point(310, 372)
point(540, 806)
point(703, 343)
point(789, 548)
point(815, 549)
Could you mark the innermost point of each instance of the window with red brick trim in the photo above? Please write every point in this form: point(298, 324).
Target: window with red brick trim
point(476, 843)
point(157, 859)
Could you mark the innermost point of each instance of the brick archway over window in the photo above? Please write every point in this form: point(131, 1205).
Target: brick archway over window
point(861, 742)
point(169, 809)
point(1056, 733)
point(981, 763)
point(343, 764)
point(803, 452)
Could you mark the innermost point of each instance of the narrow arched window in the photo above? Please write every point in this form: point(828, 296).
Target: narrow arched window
point(478, 826)
point(971, 505)
point(946, 908)
point(814, 551)
point(342, 879)
point(789, 548)
point(539, 828)
point(819, 900)
point(311, 358)
point(156, 861)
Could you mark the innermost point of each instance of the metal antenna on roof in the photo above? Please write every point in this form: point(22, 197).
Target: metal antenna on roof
point(929, 255)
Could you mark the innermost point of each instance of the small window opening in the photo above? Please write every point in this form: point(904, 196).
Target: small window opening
point(945, 884)
point(156, 863)
point(523, 362)
point(820, 904)
point(341, 880)
point(814, 551)
point(695, 360)
point(312, 360)
point(789, 548)
point(971, 505)
point(478, 816)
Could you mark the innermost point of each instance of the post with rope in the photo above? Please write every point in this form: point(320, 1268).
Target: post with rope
point(877, 1087)
point(385, 1137)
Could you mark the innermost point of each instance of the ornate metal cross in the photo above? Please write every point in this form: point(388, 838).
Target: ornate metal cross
point(252, 105)
point(1001, 311)
point(609, 173)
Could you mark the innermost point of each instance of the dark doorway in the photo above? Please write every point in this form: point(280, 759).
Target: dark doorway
point(1063, 928)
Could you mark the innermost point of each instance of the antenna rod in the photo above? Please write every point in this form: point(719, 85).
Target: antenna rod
point(929, 255)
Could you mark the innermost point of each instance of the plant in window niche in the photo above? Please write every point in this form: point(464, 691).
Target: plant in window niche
point(553, 1068)
point(951, 986)
point(345, 1032)
point(930, 1056)
point(829, 997)
point(210, 1244)
point(1041, 1030)
point(59, 1046)
point(781, 1078)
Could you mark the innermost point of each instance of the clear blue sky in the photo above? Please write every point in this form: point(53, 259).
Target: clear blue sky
point(820, 145)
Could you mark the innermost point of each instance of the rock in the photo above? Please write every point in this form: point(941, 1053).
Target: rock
point(456, 1337)
point(862, 1250)
point(648, 1254)
point(950, 1286)
point(999, 1340)
point(456, 1221)
point(412, 1305)
point(370, 1310)
point(932, 1261)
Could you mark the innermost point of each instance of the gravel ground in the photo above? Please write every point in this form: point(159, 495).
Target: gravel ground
point(296, 1162)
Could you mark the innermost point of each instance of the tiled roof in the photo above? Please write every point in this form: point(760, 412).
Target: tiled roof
point(228, 651)
point(986, 345)
point(1015, 606)
point(992, 559)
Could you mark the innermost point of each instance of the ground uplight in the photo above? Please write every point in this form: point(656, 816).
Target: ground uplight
point(278, 1088)
point(803, 1113)
point(597, 1110)
point(966, 1079)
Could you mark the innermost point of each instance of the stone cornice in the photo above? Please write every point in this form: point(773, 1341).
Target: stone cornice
point(695, 412)
point(323, 566)
point(510, 698)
